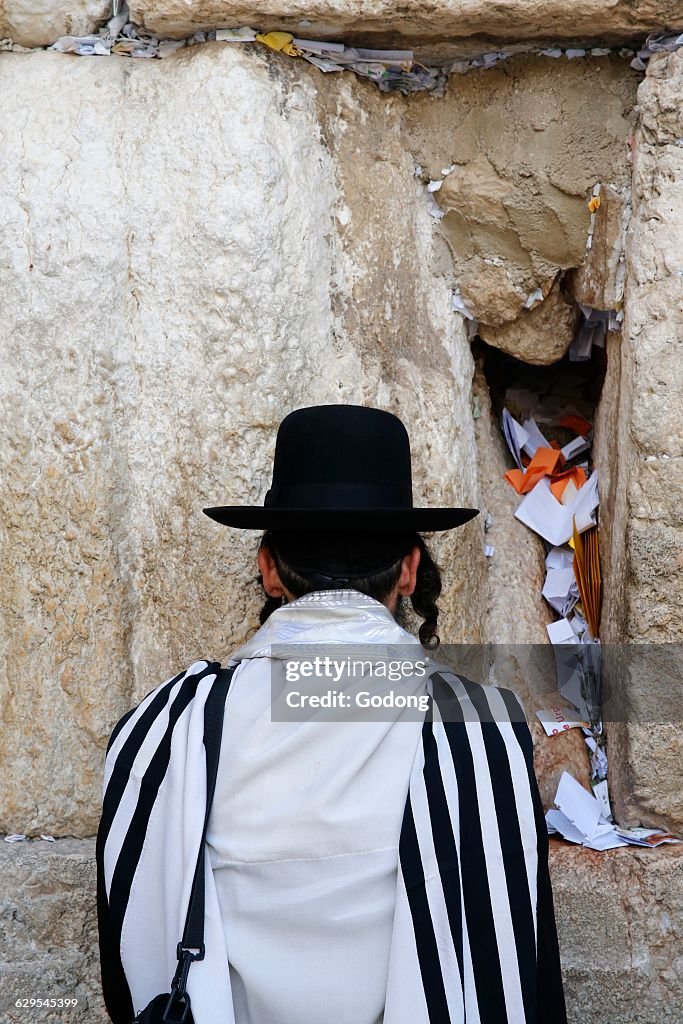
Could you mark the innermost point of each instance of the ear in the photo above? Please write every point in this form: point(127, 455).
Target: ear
point(408, 577)
point(271, 581)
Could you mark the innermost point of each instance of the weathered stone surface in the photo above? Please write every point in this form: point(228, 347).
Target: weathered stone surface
point(553, 755)
point(32, 23)
point(642, 457)
point(515, 612)
point(384, 22)
point(168, 296)
point(48, 931)
point(599, 281)
point(620, 921)
point(540, 336)
point(164, 303)
point(619, 917)
point(517, 158)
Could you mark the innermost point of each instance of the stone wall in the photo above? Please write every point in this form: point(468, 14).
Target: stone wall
point(40, 22)
point(641, 466)
point(522, 157)
point(442, 27)
point(192, 247)
point(447, 28)
point(619, 914)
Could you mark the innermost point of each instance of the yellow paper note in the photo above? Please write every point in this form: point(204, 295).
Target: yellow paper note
point(586, 565)
point(280, 41)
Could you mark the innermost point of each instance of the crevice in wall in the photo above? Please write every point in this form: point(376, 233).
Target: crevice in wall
point(516, 555)
point(560, 385)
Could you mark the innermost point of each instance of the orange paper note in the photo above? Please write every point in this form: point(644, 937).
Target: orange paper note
point(586, 565)
point(516, 478)
point(576, 423)
point(542, 464)
point(560, 480)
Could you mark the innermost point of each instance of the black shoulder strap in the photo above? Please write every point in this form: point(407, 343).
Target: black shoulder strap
point(193, 935)
point(115, 988)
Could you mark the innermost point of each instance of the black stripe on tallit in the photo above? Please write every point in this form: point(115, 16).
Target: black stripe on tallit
point(129, 751)
point(127, 863)
point(550, 1000)
point(117, 997)
point(445, 848)
point(514, 861)
point(423, 926)
point(112, 911)
point(115, 990)
point(118, 727)
point(484, 951)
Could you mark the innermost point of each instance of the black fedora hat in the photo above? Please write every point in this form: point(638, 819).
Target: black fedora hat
point(341, 467)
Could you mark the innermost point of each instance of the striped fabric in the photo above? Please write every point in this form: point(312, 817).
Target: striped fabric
point(474, 938)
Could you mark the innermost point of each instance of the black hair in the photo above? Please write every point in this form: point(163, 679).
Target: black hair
point(369, 563)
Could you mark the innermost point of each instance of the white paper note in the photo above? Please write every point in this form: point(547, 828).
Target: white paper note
point(557, 720)
point(515, 435)
point(559, 558)
point(577, 445)
point(236, 35)
point(561, 632)
point(561, 823)
point(542, 512)
point(608, 840)
point(560, 590)
point(536, 438)
point(577, 804)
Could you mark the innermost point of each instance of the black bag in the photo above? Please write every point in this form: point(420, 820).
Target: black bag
point(174, 1007)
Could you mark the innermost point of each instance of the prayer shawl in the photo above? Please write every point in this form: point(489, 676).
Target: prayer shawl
point(474, 938)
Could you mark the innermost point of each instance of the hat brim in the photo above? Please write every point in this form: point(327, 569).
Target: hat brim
point(395, 520)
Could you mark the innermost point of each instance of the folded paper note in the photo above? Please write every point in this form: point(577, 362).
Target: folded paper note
point(561, 632)
point(586, 568)
point(560, 590)
point(557, 720)
point(576, 423)
point(581, 815)
point(515, 435)
point(575, 447)
point(535, 439)
point(559, 481)
point(647, 836)
point(542, 512)
point(559, 558)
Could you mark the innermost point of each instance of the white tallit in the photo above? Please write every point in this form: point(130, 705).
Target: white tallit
point(474, 935)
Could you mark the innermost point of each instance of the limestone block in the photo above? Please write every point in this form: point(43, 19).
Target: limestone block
point(618, 917)
point(384, 22)
point(540, 335)
point(167, 296)
point(599, 281)
point(553, 755)
point(516, 157)
point(40, 22)
point(644, 588)
point(48, 931)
